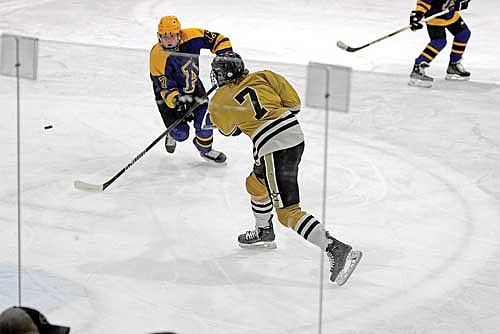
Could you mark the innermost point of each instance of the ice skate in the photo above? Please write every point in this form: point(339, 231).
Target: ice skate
point(170, 143)
point(418, 78)
point(343, 260)
point(261, 237)
point(456, 71)
point(351, 262)
point(214, 156)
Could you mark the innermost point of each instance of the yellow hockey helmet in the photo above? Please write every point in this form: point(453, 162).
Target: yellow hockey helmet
point(169, 25)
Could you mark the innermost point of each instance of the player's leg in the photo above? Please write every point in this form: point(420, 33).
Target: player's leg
point(204, 136)
point(418, 77)
point(281, 172)
point(461, 33)
point(179, 133)
point(263, 234)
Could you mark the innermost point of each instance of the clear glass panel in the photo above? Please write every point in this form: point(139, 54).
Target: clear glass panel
point(408, 178)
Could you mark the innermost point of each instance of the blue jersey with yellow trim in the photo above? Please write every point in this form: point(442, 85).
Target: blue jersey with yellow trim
point(175, 73)
point(431, 7)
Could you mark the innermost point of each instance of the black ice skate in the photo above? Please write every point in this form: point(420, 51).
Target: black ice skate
point(343, 260)
point(214, 156)
point(418, 77)
point(170, 143)
point(261, 237)
point(456, 71)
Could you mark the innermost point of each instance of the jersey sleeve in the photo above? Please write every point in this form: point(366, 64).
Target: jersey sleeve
point(289, 97)
point(203, 39)
point(423, 6)
point(218, 42)
point(165, 86)
point(217, 111)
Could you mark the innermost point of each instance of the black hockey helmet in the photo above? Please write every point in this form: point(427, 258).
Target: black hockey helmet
point(227, 67)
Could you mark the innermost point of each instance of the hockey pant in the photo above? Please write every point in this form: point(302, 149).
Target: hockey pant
point(273, 183)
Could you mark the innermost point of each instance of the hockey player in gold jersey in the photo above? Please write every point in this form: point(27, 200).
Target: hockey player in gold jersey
point(263, 106)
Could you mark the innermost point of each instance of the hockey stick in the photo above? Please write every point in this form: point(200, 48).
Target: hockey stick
point(100, 187)
point(348, 48)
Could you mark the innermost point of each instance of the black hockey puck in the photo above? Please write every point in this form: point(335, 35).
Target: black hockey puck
point(47, 127)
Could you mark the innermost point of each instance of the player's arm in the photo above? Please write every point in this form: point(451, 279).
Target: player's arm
point(289, 97)
point(423, 6)
point(168, 94)
point(221, 118)
point(462, 4)
point(218, 42)
point(165, 86)
point(204, 39)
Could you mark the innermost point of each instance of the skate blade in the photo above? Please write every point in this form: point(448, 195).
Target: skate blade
point(456, 77)
point(170, 149)
point(170, 145)
point(419, 83)
point(213, 162)
point(351, 263)
point(267, 244)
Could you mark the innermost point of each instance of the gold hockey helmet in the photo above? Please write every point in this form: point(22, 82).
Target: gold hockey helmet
point(169, 25)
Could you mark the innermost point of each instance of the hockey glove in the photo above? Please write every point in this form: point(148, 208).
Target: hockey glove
point(182, 104)
point(462, 4)
point(415, 18)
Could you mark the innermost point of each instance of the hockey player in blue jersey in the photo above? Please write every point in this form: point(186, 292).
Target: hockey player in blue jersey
point(174, 71)
point(436, 28)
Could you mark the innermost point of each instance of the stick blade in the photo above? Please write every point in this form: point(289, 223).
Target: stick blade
point(342, 45)
point(88, 186)
point(347, 48)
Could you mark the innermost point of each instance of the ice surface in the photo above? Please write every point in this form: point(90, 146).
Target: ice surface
point(413, 178)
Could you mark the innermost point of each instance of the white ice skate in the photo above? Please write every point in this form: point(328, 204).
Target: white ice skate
point(456, 71)
point(343, 260)
point(418, 78)
point(352, 261)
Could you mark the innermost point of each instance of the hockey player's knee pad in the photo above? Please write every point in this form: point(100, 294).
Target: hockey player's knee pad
point(180, 132)
point(290, 215)
point(438, 43)
point(256, 187)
